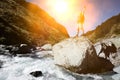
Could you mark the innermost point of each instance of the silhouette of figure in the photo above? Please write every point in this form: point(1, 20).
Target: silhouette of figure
point(108, 49)
point(81, 20)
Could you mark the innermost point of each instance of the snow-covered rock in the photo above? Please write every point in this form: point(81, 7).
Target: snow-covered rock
point(116, 60)
point(79, 55)
point(114, 57)
point(116, 77)
point(71, 52)
point(117, 69)
point(115, 40)
point(47, 47)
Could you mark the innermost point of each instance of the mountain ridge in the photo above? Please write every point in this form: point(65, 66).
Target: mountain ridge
point(26, 26)
point(108, 29)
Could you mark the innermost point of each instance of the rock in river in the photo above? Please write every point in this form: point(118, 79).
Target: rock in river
point(79, 55)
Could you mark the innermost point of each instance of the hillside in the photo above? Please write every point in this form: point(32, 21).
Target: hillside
point(24, 22)
point(109, 28)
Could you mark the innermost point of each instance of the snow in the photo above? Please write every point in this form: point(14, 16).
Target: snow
point(18, 68)
point(117, 69)
point(116, 77)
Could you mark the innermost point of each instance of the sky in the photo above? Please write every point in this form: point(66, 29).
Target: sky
point(66, 12)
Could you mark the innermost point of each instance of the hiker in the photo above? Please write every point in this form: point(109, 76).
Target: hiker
point(80, 21)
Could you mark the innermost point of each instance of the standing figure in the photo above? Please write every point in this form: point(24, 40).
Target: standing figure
point(81, 19)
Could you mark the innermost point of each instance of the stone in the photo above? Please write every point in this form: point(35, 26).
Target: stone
point(36, 73)
point(22, 49)
point(79, 55)
point(108, 48)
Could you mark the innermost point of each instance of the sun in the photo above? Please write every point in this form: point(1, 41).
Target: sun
point(62, 10)
point(61, 6)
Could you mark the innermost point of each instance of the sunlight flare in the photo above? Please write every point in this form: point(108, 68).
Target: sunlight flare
point(62, 9)
point(61, 6)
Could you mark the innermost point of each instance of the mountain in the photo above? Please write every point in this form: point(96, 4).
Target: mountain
point(108, 29)
point(24, 22)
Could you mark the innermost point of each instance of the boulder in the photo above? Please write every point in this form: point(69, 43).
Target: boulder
point(79, 55)
point(108, 49)
point(3, 50)
point(36, 73)
point(9, 48)
point(22, 49)
point(116, 60)
point(117, 69)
